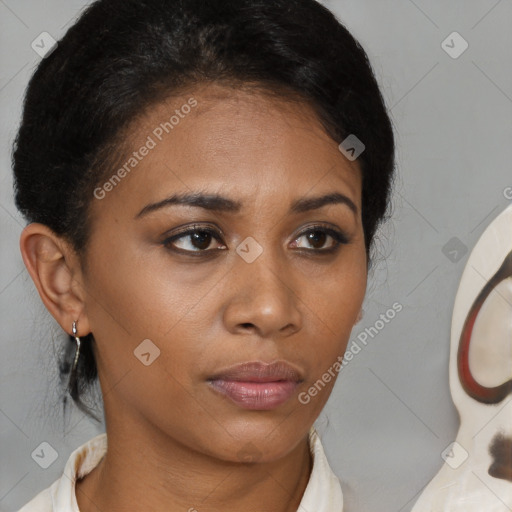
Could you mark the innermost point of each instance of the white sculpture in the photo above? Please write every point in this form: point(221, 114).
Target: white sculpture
point(477, 473)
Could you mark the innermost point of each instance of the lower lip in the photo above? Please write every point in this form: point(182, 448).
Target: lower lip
point(256, 395)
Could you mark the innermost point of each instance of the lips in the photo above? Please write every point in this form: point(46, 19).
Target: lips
point(257, 385)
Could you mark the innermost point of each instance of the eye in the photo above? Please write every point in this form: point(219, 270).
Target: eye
point(198, 239)
point(318, 237)
point(195, 239)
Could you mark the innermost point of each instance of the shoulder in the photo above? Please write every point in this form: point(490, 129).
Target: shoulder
point(60, 496)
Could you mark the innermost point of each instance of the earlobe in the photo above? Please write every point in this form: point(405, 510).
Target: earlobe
point(56, 272)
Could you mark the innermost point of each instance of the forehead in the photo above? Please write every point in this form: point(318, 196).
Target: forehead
point(219, 138)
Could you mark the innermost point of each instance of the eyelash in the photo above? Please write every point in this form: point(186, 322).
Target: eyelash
point(338, 236)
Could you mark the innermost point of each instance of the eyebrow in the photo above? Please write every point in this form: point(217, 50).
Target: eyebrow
point(215, 202)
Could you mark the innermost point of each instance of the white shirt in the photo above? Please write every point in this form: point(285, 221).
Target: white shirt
point(322, 494)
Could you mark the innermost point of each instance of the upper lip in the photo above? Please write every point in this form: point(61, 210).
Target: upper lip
point(257, 371)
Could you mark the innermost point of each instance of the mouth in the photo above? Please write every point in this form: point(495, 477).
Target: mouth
point(257, 385)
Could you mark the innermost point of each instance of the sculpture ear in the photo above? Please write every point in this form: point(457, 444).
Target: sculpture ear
point(487, 329)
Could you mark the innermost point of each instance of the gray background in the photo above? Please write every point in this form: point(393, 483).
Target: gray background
point(390, 415)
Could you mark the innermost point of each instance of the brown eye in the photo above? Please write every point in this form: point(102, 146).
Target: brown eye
point(317, 237)
point(197, 239)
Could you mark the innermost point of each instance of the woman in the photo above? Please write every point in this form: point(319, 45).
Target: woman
point(202, 196)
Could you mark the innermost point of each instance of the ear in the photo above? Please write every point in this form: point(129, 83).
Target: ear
point(57, 274)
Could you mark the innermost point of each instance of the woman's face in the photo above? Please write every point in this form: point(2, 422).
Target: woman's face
point(258, 280)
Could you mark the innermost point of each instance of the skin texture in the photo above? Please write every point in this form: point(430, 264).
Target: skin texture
point(174, 443)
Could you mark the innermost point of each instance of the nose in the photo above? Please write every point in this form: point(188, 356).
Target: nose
point(264, 300)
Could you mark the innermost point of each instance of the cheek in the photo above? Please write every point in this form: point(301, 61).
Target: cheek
point(145, 339)
point(145, 294)
point(342, 302)
point(334, 307)
point(335, 296)
point(139, 304)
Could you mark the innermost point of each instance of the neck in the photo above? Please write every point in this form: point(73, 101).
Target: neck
point(165, 475)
